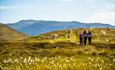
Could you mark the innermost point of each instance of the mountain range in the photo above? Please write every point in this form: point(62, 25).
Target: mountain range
point(36, 27)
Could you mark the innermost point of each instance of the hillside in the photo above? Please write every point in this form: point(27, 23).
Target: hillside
point(8, 34)
point(54, 50)
point(36, 27)
point(100, 35)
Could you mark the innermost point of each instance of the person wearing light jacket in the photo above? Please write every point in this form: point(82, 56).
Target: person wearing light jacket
point(85, 37)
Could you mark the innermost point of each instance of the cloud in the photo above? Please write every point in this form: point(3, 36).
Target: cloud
point(107, 17)
point(105, 12)
point(17, 8)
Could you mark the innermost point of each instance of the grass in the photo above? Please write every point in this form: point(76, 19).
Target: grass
point(82, 62)
point(66, 58)
point(60, 53)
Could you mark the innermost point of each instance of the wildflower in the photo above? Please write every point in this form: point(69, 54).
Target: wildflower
point(100, 68)
point(107, 40)
point(71, 59)
point(52, 62)
point(10, 54)
point(110, 64)
point(10, 60)
point(83, 64)
point(4, 61)
point(91, 59)
point(59, 57)
point(37, 59)
point(67, 61)
point(21, 58)
point(29, 58)
point(45, 58)
point(95, 65)
point(42, 61)
point(104, 33)
point(102, 61)
point(113, 60)
point(90, 63)
point(16, 60)
point(25, 60)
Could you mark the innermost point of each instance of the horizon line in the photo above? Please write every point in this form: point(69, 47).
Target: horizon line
point(56, 21)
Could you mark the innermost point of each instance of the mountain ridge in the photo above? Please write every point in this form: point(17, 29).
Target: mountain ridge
point(35, 27)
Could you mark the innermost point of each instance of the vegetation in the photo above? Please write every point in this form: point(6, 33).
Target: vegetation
point(55, 51)
point(8, 35)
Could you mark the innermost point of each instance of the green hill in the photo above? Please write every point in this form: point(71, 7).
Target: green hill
point(55, 50)
point(100, 35)
point(8, 35)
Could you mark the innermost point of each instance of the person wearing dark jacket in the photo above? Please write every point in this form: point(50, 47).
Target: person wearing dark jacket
point(85, 37)
point(81, 38)
point(89, 37)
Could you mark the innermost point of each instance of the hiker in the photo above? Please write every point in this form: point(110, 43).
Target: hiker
point(85, 37)
point(68, 34)
point(89, 35)
point(81, 38)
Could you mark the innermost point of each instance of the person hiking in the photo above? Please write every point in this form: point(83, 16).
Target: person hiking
point(85, 37)
point(89, 37)
point(81, 38)
point(68, 34)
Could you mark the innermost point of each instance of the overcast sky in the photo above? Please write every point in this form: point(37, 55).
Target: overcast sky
point(102, 11)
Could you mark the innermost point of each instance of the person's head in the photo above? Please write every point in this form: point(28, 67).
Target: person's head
point(81, 33)
point(89, 31)
point(84, 31)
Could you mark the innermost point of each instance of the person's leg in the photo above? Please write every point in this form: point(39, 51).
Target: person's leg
point(80, 41)
point(84, 40)
point(89, 40)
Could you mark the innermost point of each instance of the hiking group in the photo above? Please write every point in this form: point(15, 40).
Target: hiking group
point(84, 36)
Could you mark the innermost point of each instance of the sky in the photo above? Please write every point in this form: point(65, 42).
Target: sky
point(88, 11)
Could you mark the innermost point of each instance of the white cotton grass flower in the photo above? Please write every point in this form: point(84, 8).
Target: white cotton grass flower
point(10, 54)
point(10, 60)
point(67, 61)
point(37, 59)
point(100, 68)
point(104, 33)
point(42, 61)
point(102, 61)
point(25, 60)
point(52, 62)
point(45, 58)
point(95, 65)
point(91, 59)
point(16, 61)
point(21, 57)
point(4, 61)
point(90, 63)
point(107, 40)
point(29, 58)
point(59, 57)
point(113, 60)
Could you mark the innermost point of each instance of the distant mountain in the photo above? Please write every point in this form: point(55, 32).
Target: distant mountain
point(8, 34)
point(35, 27)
